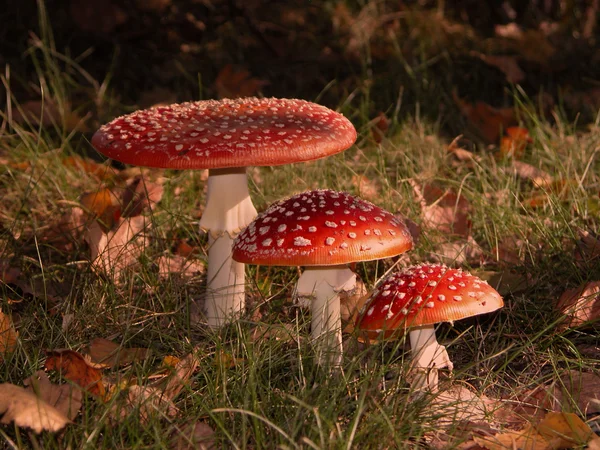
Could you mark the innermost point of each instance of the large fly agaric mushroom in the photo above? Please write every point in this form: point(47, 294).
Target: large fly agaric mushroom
point(323, 230)
point(416, 299)
point(225, 136)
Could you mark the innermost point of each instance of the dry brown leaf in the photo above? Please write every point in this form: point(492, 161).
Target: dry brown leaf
point(8, 273)
point(515, 142)
point(180, 266)
point(460, 153)
point(580, 390)
point(587, 247)
point(556, 431)
point(66, 398)
point(234, 83)
point(139, 195)
point(75, 368)
point(367, 188)
point(193, 436)
point(538, 177)
point(89, 166)
point(145, 402)
point(485, 119)
point(508, 65)
point(110, 354)
point(113, 252)
point(26, 410)
point(580, 305)
point(445, 210)
point(103, 205)
point(459, 252)
point(379, 127)
point(8, 336)
point(180, 376)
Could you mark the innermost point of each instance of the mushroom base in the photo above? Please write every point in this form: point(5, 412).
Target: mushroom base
point(322, 285)
point(225, 296)
point(428, 357)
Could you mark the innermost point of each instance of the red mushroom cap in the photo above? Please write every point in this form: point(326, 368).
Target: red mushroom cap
point(321, 228)
point(215, 134)
point(424, 295)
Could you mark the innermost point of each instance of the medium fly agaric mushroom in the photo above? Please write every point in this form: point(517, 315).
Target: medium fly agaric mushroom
point(225, 136)
point(324, 231)
point(416, 299)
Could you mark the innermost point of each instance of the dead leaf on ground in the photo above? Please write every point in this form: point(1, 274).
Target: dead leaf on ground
point(143, 401)
point(234, 83)
point(379, 127)
point(444, 210)
point(180, 266)
point(26, 410)
point(89, 166)
point(556, 431)
point(8, 336)
point(587, 247)
point(110, 354)
point(66, 398)
point(580, 305)
point(531, 45)
point(514, 143)
point(578, 391)
point(8, 273)
point(459, 252)
point(113, 252)
point(193, 436)
point(507, 64)
point(538, 177)
point(461, 154)
point(486, 120)
point(367, 188)
point(75, 368)
point(180, 375)
point(140, 195)
point(102, 205)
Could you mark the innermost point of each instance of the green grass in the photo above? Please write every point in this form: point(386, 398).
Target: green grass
point(274, 395)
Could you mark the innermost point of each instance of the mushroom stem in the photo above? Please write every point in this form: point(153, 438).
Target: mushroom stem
point(428, 357)
point(228, 210)
point(322, 284)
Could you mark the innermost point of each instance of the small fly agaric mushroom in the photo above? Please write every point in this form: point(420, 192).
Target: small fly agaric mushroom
point(323, 230)
point(419, 297)
point(225, 136)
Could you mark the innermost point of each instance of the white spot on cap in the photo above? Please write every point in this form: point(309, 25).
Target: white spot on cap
point(302, 242)
point(329, 241)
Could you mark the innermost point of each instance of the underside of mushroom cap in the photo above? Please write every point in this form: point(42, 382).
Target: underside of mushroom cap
point(213, 134)
point(321, 228)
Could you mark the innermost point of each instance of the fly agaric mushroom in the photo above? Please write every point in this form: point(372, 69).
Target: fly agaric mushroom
point(419, 297)
point(225, 136)
point(323, 230)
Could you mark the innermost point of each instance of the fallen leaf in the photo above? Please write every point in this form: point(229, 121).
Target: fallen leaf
point(86, 165)
point(507, 64)
point(514, 142)
point(113, 252)
point(193, 436)
point(8, 336)
point(66, 398)
point(579, 390)
point(460, 153)
point(556, 431)
point(459, 252)
point(587, 248)
point(485, 119)
point(48, 113)
point(143, 401)
point(110, 354)
point(180, 376)
point(235, 83)
point(103, 206)
point(180, 266)
point(139, 195)
point(25, 409)
point(367, 188)
point(445, 210)
point(538, 177)
point(8, 273)
point(379, 127)
point(580, 305)
point(75, 368)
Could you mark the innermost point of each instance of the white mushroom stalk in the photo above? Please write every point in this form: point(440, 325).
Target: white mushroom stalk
point(427, 357)
point(228, 210)
point(322, 286)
